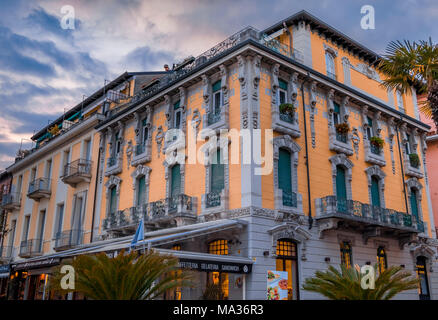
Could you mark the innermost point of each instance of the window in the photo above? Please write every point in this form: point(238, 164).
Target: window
point(287, 261)
point(176, 247)
point(144, 132)
point(400, 104)
point(217, 97)
point(26, 228)
point(59, 219)
point(87, 149)
point(175, 182)
point(113, 200)
point(177, 115)
point(381, 259)
point(12, 234)
point(336, 114)
point(217, 182)
point(341, 188)
point(330, 65)
point(282, 92)
point(33, 174)
point(40, 236)
point(118, 143)
point(408, 144)
point(141, 191)
point(414, 203)
point(375, 191)
point(48, 169)
point(219, 247)
point(422, 275)
point(370, 130)
point(19, 183)
point(346, 254)
point(176, 293)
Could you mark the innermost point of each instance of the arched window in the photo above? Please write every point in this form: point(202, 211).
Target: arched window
point(375, 192)
point(330, 65)
point(381, 259)
point(287, 261)
point(346, 254)
point(141, 191)
point(422, 275)
point(219, 247)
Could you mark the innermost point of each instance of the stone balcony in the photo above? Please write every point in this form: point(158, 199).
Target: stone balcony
point(340, 142)
point(31, 248)
point(411, 167)
point(76, 172)
point(124, 222)
point(114, 165)
point(214, 203)
point(180, 209)
point(374, 154)
point(142, 153)
point(371, 221)
point(39, 188)
point(11, 201)
point(216, 120)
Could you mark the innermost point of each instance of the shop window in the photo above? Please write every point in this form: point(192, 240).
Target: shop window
point(346, 254)
point(219, 247)
point(382, 263)
point(176, 293)
point(422, 275)
point(176, 247)
point(287, 261)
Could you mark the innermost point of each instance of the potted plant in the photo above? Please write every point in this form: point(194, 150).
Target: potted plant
point(377, 141)
point(288, 109)
point(414, 160)
point(342, 128)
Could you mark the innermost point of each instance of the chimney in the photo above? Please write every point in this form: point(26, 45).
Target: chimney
point(166, 67)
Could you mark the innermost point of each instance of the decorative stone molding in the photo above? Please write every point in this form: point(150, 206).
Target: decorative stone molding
point(140, 171)
point(143, 153)
point(330, 50)
point(341, 159)
point(196, 121)
point(129, 152)
point(334, 143)
point(312, 100)
point(159, 137)
point(414, 183)
point(290, 145)
point(391, 133)
point(116, 164)
point(278, 124)
point(367, 70)
point(378, 172)
point(410, 170)
point(355, 138)
point(291, 231)
point(168, 108)
point(424, 248)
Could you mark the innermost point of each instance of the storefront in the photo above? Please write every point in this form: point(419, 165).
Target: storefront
point(4, 280)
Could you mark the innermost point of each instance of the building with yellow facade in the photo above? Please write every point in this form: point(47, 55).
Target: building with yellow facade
point(342, 178)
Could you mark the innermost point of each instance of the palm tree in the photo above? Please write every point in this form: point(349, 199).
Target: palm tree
point(126, 277)
point(409, 64)
point(346, 284)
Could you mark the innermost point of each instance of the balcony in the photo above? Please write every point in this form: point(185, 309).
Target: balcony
point(114, 165)
point(142, 153)
point(374, 153)
point(68, 239)
point(340, 142)
point(77, 171)
point(342, 137)
point(371, 221)
point(215, 203)
point(285, 122)
point(124, 222)
point(287, 203)
point(412, 165)
point(39, 188)
point(31, 248)
point(217, 119)
point(11, 201)
point(181, 208)
point(6, 253)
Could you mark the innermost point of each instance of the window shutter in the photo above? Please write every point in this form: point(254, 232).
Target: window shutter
point(141, 191)
point(175, 181)
point(217, 86)
point(375, 192)
point(414, 203)
point(113, 198)
point(341, 189)
point(282, 84)
point(217, 174)
point(284, 171)
point(337, 108)
point(176, 105)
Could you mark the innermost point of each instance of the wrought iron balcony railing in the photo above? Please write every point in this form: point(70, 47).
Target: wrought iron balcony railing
point(290, 199)
point(68, 239)
point(213, 199)
point(30, 248)
point(333, 206)
point(39, 188)
point(77, 171)
point(180, 204)
point(11, 200)
point(126, 220)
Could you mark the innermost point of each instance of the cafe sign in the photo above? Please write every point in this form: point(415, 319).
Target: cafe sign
point(210, 266)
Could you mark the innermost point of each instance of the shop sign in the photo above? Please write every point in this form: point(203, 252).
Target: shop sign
point(210, 266)
point(5, 268)
point(277, 285)
point(37, 264)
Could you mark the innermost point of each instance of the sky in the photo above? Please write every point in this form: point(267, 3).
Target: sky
point(45, 69)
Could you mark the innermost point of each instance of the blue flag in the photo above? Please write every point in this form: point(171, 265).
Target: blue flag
point(139, 234)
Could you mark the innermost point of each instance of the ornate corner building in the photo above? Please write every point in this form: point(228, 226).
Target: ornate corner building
point(348, 182)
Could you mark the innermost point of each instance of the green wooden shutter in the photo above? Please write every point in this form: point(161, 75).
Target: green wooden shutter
point(141, 190)
point(375, 192)
point(341, 188)
point(217, 86)
point(217, 174)
point(282, 84)
point(414, 203)
point(175, 188)
point(337, 108)
point(176, 105)
point(113, 199)
point(284, 171)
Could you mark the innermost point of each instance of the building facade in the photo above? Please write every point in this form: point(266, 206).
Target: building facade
point(316, 164)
